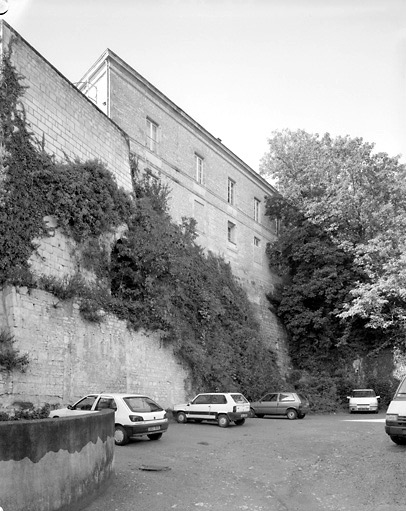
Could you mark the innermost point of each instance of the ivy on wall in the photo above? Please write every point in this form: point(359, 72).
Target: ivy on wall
point(10, 358)
point(155, 277)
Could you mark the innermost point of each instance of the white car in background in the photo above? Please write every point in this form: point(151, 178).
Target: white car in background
point(136, 415)
point(220, 407)
point(363, 400)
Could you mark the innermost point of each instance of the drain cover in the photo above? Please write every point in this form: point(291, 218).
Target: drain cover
point(154, 468)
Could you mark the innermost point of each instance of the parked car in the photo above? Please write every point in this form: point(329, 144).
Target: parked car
point(220, 407)
point(290, 404)
point(395, 423)
point(136, 415)
point(363, 400)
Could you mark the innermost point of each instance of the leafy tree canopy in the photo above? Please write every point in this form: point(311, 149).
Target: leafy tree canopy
point(343, 216)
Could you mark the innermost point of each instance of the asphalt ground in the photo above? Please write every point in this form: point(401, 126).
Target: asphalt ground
point(337, 462)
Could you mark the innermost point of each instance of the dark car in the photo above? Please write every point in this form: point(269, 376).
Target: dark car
point(289, 404)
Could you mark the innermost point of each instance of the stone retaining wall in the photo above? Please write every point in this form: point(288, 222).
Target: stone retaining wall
point(55, 464)
point(70, 357)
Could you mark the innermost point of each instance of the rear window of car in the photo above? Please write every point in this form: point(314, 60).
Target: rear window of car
point(363, 393)
point(286, 397)
point(141, 404)
point(239, 398)
point(302, 398)
point(218, 399)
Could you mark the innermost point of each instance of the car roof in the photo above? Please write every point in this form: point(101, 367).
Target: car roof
point(362, 389)
point(280, 392)
point(218, 393)
point(118, 394)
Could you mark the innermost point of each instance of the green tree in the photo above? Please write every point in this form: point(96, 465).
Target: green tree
point(342, 213)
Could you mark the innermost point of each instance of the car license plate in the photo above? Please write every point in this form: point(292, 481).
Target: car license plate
point(154, 428)
point(243, 415)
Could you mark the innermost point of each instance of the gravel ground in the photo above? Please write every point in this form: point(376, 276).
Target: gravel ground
point(321, 463)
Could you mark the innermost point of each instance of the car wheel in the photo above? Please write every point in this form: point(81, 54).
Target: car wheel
point(399, 440)
point(291, 414)
point(223, 421)
point(239, 422)
point(154, 436)
point(252, 412)
point(120, 436)
point(301, 416)
point(181, 418)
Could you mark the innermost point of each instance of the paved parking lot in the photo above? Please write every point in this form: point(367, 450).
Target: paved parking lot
point(337, 462)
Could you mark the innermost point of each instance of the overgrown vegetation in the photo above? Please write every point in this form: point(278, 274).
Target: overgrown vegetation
point(156, 276)
point(26, 411)
point(192, 297)
point(10, 358)
point(341, 251)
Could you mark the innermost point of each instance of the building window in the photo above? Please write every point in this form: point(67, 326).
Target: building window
point(257, 250)
point(152, 136)
point(257, 206)
point(231, 234)
point(199, 215)
point(199, 169)
point(231, 192)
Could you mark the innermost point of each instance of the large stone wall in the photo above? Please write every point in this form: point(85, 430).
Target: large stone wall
point(70, 357)
point(68, 122)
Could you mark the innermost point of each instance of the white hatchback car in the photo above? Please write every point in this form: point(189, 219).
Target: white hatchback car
point(220, 407)
point(363, 400)
point(135, 415)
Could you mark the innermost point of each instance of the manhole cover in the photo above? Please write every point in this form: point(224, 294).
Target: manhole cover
point(154, 468)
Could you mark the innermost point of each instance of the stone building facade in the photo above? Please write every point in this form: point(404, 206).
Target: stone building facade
point(68, 357)
point(208, 182)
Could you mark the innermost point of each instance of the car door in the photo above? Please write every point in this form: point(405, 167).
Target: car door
point(104, 403)
point(199, 408)
point(83, 406)
point(285, 401)
point(218, 404)
point(268, 405)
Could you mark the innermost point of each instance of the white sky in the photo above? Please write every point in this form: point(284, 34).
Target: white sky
point(244, 68)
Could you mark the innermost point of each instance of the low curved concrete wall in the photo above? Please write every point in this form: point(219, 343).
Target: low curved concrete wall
point(55, 464)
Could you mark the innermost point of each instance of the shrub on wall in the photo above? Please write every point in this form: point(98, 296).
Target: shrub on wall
point(10, 358)
point(26, 411)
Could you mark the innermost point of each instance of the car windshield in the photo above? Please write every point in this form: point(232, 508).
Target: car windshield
point(363, 393)
point(239, 398)
point(402, 388)
point(141, 404)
